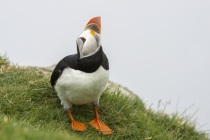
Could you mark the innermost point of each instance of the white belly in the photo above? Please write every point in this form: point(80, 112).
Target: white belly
point(77, 87)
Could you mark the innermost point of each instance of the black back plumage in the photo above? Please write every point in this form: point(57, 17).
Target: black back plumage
point(87, 64)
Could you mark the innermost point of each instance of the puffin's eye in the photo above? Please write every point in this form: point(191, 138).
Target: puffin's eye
point(83, 39)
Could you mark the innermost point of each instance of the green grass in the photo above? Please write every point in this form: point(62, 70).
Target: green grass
point(30, 109)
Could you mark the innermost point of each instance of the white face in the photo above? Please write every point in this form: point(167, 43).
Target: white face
point(88, 43)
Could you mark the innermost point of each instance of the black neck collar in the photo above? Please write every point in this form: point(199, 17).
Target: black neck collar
point(91, 63)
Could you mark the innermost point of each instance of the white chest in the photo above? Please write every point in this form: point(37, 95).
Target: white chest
point(77, 87)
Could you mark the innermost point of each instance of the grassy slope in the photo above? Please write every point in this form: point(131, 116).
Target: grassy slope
point(30, 109)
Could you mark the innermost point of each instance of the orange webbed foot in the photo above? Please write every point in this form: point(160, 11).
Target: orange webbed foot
point(78, 126)
point(99, 125)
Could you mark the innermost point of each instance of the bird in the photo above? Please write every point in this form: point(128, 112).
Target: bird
point(81, 78)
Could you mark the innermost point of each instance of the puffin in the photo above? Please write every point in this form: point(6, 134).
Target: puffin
point(81, 78)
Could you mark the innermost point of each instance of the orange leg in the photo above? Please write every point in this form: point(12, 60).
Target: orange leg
point(76, 125)
point(99, 125)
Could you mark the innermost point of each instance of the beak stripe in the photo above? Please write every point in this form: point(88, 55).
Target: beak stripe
point(94, 24)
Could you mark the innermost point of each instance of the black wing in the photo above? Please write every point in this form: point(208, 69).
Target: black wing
point(105, 62)
point(68, 61)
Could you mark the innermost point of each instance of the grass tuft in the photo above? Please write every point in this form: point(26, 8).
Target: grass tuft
point(30, 109)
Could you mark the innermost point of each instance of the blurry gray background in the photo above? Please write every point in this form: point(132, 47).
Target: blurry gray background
point(158, 49)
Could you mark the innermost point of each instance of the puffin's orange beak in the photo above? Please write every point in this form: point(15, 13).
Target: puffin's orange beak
point(94, 24)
